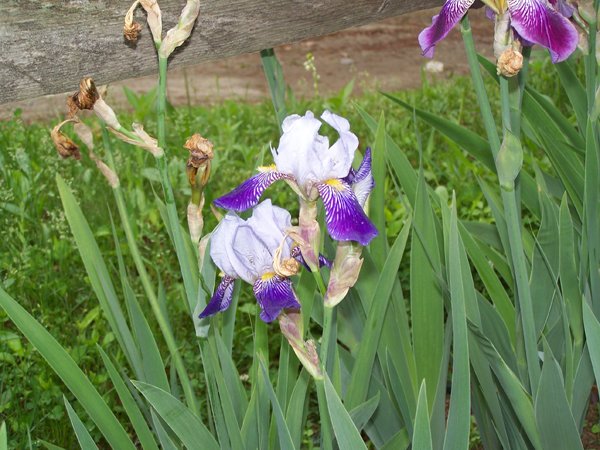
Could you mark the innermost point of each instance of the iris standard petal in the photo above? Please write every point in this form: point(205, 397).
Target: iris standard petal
point(362, 181)
point(269, 223)
point(247, 194)
point(537, 22)
point(298, 146)
point(450, 14)
point(337, 160)
point(345, 218)
point(221, 299)
point(273, 294)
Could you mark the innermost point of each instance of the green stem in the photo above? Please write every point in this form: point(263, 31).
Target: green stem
point(511, 209)
point(479, 87)
point(173, 218)
point(590, 68)
point(163, 322)
point(326, 428)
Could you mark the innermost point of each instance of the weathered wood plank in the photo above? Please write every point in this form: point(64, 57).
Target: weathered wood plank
point(46, 47)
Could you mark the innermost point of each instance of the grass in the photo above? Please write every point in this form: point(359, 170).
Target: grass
point(40, 265)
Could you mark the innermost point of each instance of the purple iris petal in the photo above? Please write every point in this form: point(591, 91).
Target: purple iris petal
point(450, 14)
point(247, 194)
point(345, 218)
point(221, 299)
point(537, 22)
point(297, 255)
point(563, 7)
point(273, 294)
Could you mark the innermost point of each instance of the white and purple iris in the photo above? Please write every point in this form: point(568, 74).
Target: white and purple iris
point(246, 249)
point(314, 169)
point(534, 21)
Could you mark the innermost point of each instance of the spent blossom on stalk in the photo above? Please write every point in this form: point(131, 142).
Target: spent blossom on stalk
point(313, 168)
point(534, 21)
point(247, 249)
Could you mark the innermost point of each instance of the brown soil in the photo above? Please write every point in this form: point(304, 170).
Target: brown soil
point(382, 55)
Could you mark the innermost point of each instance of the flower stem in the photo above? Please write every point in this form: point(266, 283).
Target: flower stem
point(161, 163)
point(326, 431)
point(511, 208)
point(163, 322)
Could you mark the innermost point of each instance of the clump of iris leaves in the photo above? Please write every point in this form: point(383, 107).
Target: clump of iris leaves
point(40, 265)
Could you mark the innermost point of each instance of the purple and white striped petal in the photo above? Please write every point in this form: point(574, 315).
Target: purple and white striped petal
point(537, 22)
point(344, 216)
point(273, 294)
point(221, 299)
point(247, 194)
point(363, 181)
point(449, 16)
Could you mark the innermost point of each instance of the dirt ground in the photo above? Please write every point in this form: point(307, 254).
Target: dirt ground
point(383, 55)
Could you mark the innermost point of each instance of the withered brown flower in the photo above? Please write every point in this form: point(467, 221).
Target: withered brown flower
point(201, 152)
point(85, 98)
point(64, 145)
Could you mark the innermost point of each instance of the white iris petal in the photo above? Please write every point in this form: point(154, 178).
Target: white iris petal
point(306, 154)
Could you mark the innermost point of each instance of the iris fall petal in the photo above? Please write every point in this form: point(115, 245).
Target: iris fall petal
point(345, 218)
point(221, 299)
point(274, 293)
point(247, 194)
point(449, 16)
point(537, 22)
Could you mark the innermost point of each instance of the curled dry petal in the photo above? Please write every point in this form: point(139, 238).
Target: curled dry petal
point(284, 267)
point(109, 174)
point(131, 29)
point(144, 140)
point(201, 153)
point(85, 134)
point(179, 34)
point(64, 145)
point(154, 18)
point(509, 63)
point(84, 98)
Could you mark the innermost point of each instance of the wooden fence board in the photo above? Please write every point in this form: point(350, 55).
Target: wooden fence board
point(47, 46)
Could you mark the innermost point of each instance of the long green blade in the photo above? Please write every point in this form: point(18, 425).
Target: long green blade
point(345, 431)
point(83, 436)
point(458, 428)
point(182, 421)
point(64, 366)
point(131, 408)
point(422, 433)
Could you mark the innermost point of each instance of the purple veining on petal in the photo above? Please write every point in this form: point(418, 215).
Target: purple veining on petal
point(363, 182)
point(537, 22)
point(449, 16)
point(273, 294)
point(221, 299)
point(247, 194)
point(345, 218)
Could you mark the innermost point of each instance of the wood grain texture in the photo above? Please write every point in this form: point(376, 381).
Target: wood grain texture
point(47, 46)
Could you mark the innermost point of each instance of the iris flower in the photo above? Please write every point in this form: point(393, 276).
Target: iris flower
point(535, 21)
point(247, 249)
point(313, 169)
